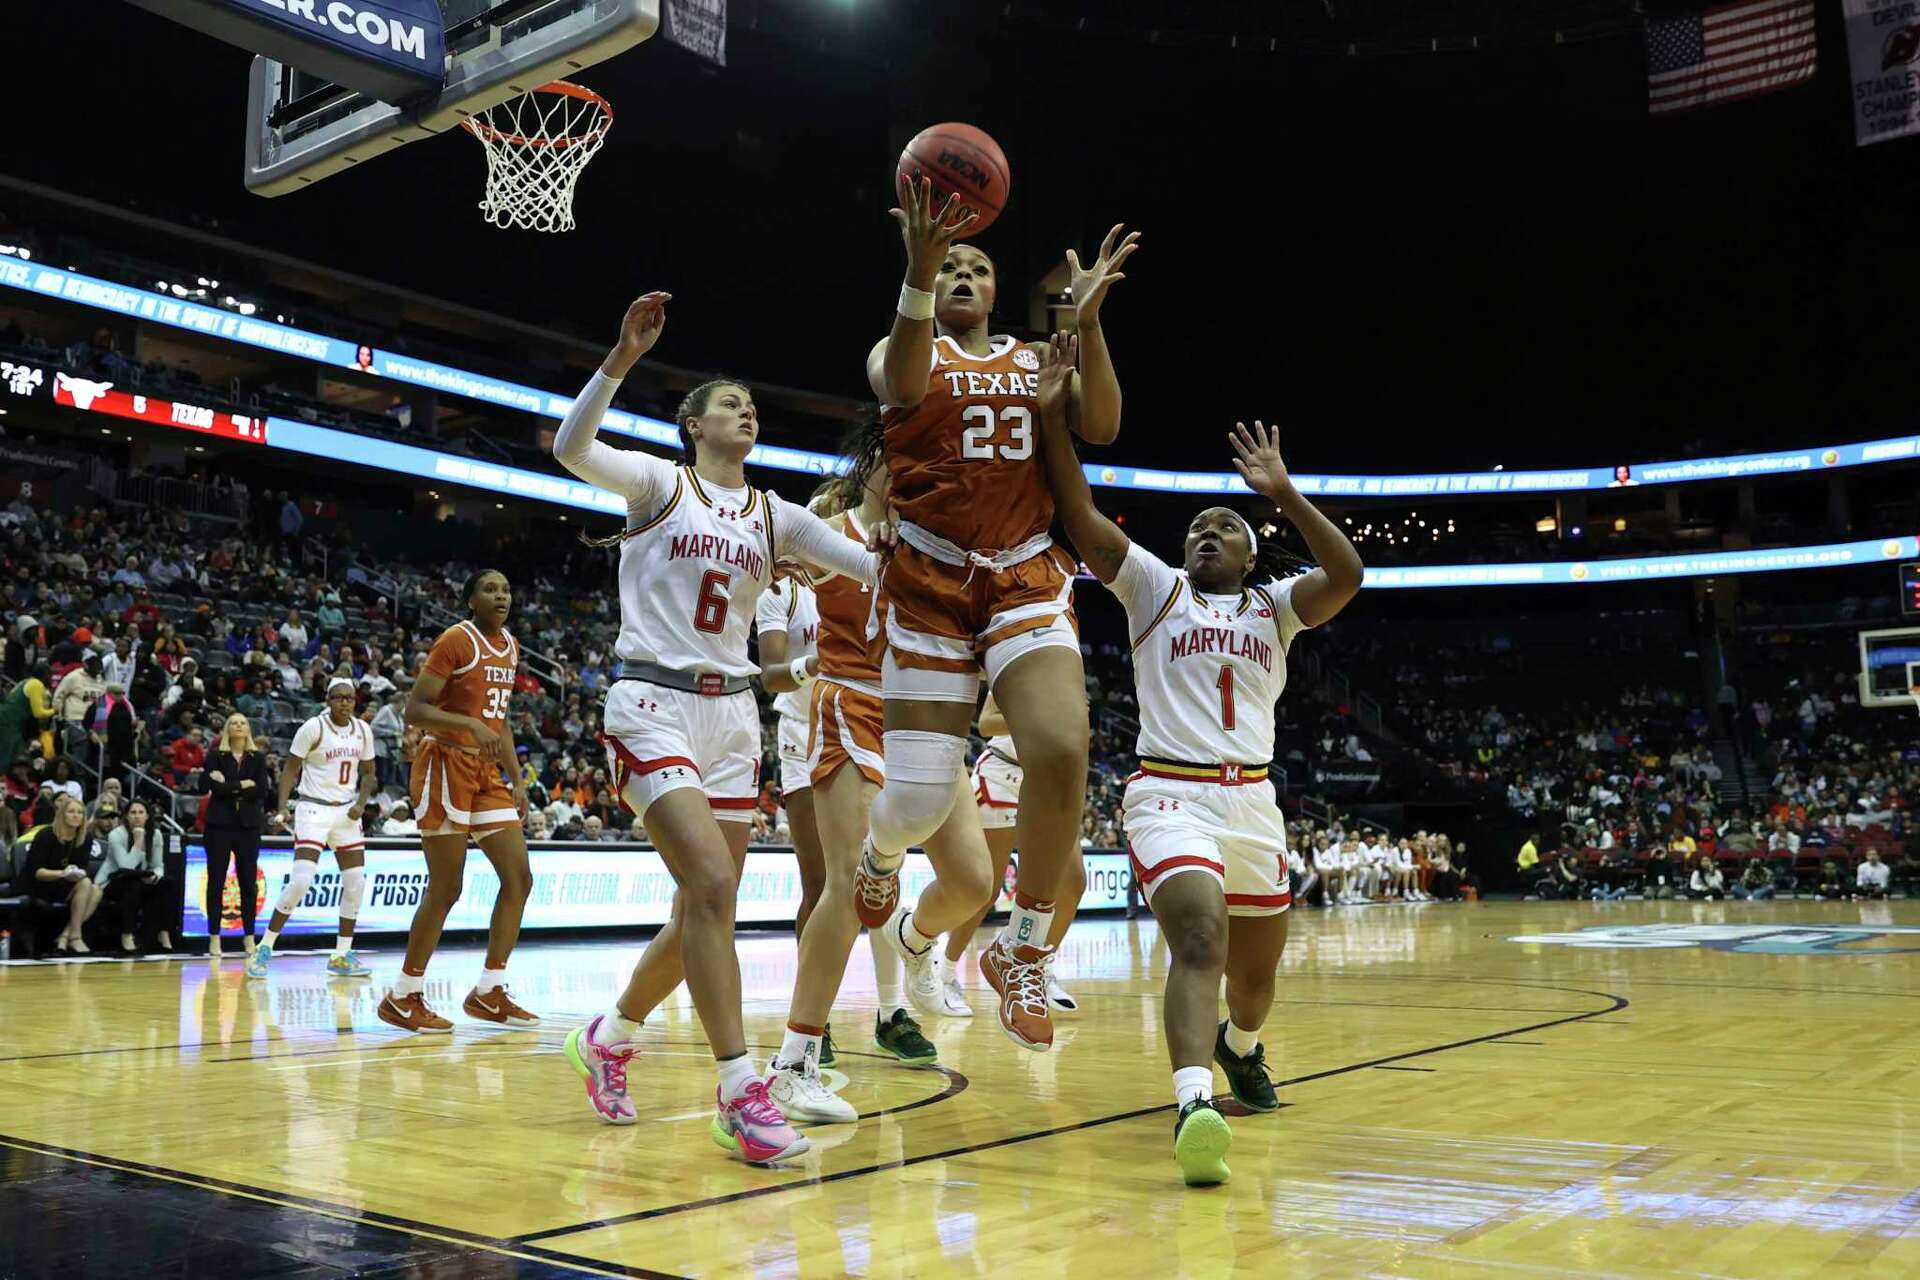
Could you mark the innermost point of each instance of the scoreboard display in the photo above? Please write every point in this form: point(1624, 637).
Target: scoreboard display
point(1910, 588)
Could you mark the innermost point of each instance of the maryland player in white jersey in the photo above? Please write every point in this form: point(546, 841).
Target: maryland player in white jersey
point(786, 625)
point(997, 781)
point(977, 586)
point(331, 761)
point(1208, 841)
point(680, 723)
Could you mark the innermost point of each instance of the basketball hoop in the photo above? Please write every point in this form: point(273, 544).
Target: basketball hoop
point(537, 145)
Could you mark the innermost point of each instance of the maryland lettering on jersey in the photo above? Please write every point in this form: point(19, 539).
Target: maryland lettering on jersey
point(963, 383)
point(707, 546)
point(1222, 641)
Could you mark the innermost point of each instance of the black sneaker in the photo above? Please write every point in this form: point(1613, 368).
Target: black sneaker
point(900, 1036)
point(1247, 1077)
point(1200, 1141)
point(826, 1045)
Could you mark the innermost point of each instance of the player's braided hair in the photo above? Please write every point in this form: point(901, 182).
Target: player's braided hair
point(865, 448)
point(1272, 560)
point(692, 405)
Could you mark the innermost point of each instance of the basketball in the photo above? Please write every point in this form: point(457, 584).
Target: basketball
point(962, 161)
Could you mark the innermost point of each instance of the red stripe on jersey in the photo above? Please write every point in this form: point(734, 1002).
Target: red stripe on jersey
point(1147, 875)
point(732, 802)
point(1260, 899)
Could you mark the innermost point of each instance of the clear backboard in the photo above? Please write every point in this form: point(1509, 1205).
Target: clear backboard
point(1889, 667)
point(302, 128)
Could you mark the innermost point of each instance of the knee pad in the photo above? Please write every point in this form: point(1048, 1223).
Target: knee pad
point(353, 888)
point(923, 777)
point(297, 881)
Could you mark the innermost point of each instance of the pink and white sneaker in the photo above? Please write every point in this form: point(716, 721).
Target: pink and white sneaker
point(753, 1128)
point(604, 1068)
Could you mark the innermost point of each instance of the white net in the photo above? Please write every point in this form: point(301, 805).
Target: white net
point(537, 145)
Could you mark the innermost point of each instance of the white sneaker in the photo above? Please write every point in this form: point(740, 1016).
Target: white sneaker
point(955, 1000)
point(923, 983)
point(803, 1096)
point(1058, 996)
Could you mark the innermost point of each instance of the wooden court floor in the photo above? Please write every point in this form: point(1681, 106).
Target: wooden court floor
point(1501, 1089)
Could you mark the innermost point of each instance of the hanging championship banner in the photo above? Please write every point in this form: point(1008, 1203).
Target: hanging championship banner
point(699, 26)
point(1883, 48)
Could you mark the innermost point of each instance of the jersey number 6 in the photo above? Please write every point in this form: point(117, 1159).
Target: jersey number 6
point(977, 442)
point(716, 597)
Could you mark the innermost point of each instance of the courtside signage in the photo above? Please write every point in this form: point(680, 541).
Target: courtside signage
point(586, 887)
point(1741, 939)
point(214, 322)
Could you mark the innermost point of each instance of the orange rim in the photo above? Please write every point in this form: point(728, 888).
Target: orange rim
point(565, 88)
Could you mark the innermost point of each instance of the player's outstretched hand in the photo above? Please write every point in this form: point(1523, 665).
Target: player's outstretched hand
point(884, 536)
point(927, 230)
point(1091, 282)
point(1058, 359)
point(639, 329)
point(1259, 461)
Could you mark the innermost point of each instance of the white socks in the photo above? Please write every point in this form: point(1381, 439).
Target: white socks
point(1241, 1042)
point(615, 1028)
point(490, 979)
point(799, 1050)
point(911, 937)
point(889, 977)
point(1028, 926)
point(342, 944)
point(408, 984)
point(270, 937)
point(1190, 1083)
point(735, 1075)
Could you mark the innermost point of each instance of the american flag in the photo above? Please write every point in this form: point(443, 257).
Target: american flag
point(1728, 52)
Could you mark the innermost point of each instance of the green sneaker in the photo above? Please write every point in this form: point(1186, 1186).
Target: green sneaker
point(1247, 1077)
point(1200, 1141)
point(900, 1036)
point(827, 1057)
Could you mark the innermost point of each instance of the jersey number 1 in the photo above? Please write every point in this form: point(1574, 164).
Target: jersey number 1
point(977, 442)
point(716, 597)
point(1225, 685)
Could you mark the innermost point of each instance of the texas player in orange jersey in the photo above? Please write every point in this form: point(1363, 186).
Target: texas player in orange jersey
point(466, 785)
point(847, 768)
point(976, 584)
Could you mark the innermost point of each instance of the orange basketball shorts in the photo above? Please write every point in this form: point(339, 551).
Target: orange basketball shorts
point(847, 723)
point(946, 623)
point(459, 791)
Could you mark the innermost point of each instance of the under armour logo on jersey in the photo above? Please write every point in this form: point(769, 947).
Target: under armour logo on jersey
point(755, 526)
point(728, 513)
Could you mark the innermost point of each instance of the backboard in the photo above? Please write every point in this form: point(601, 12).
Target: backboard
point(1889, 667)
point(301, 128)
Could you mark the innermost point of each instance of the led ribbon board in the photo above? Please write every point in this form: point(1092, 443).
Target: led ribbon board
point(159, 308)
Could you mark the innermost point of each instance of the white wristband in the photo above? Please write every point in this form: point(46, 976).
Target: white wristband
point(915, 304)
point(798, 670)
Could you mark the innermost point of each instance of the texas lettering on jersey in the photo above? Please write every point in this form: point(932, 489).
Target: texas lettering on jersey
point(964, 383)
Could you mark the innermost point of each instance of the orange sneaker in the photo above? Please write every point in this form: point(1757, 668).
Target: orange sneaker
point(497, 1006)
point(875, 893)
point(410, 1013)
point(1019, 977)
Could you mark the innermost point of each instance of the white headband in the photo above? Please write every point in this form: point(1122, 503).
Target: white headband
point(338, 682)
point(1253, 543)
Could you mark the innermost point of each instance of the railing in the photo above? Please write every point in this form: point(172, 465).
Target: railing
point(312, 552)
point(194, 496)
point(141, 784)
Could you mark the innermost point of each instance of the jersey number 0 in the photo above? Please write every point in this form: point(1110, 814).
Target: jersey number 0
point(977, 442)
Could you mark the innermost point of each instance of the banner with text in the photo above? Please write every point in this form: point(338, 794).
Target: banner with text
point(1883, 44)
point(577, 887)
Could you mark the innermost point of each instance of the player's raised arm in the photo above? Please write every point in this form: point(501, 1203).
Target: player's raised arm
point(1098, 539)
point(900, 364)
point(1096, 397)
point(805, 537)
point(621, 471)
point(1324, 592)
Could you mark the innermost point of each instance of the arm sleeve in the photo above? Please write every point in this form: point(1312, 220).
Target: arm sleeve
point(1143, 585)
point(39, 700)
point(637, 477)
point(304, 739)
point(801, 535)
